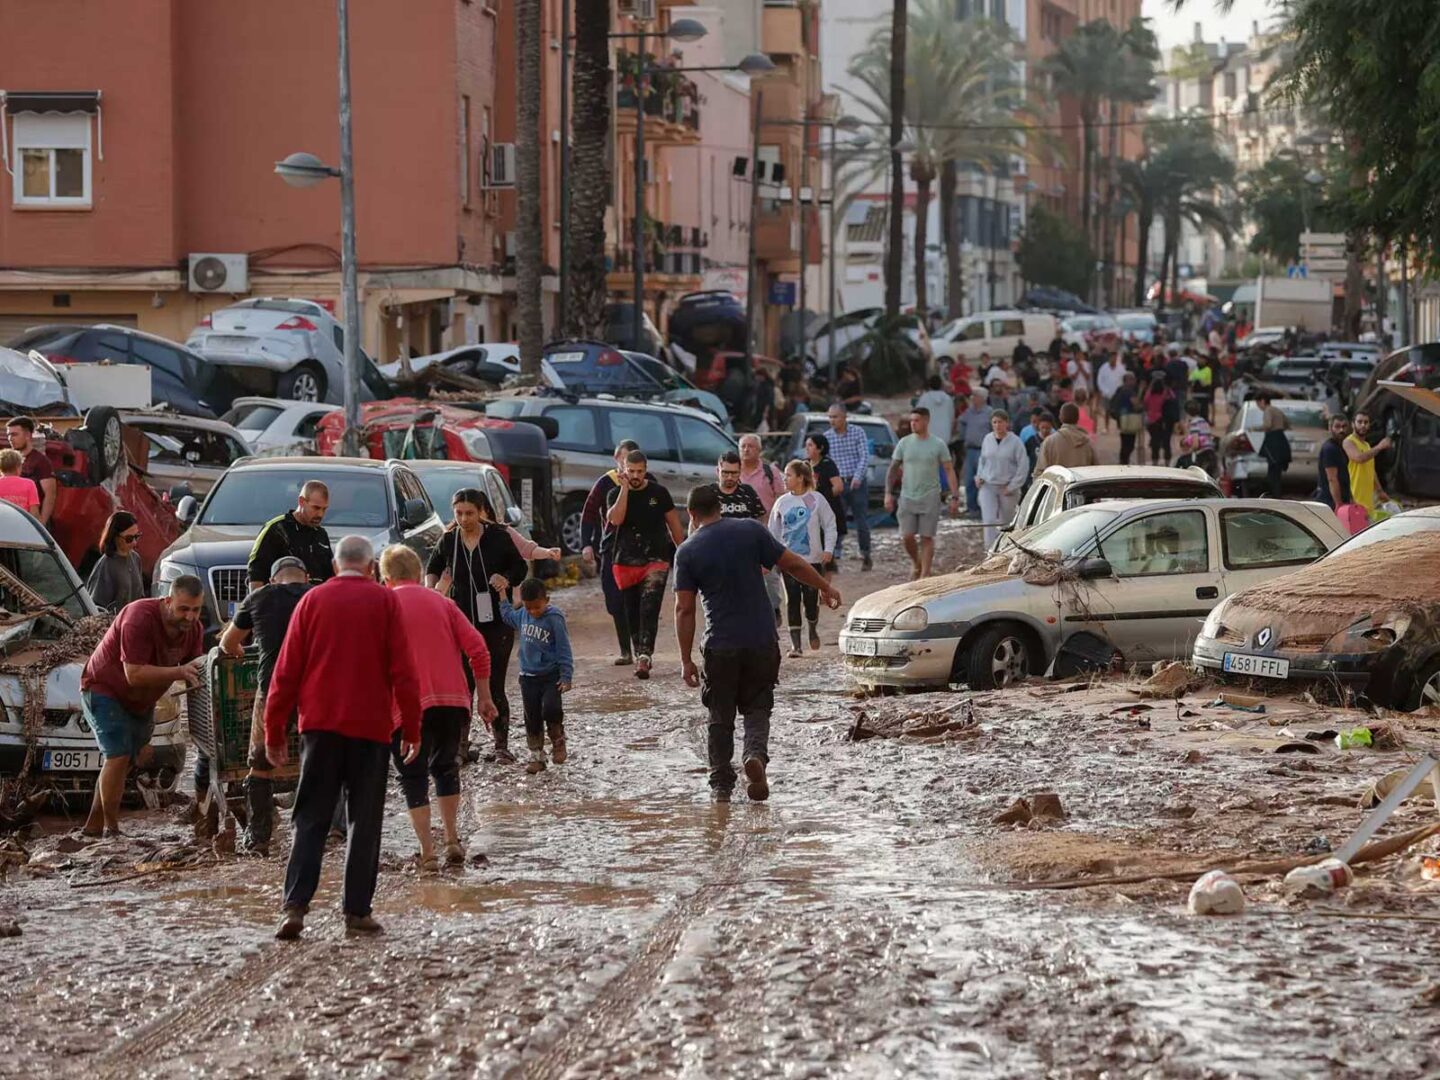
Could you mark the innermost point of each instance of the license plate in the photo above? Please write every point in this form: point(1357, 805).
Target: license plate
point(859, 646)
point(233, 606)
point(70, 761)
point(1302, 446)
point(1266, 667)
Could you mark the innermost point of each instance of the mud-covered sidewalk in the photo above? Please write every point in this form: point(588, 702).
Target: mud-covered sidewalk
point(872, 919)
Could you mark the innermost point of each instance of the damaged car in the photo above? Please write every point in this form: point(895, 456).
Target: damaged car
point(1364, 618)
point(1129, 580)
point(48, 627)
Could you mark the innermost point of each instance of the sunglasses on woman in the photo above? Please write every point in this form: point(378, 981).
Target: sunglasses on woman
point(131, 537)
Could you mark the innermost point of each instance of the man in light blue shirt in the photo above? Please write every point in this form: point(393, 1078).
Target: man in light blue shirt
point(850, 450)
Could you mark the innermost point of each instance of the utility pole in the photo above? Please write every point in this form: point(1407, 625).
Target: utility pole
point(831, 273)
point(564, 320)
point(350, 441)
point(751, 270)
point(642, 69)
point(804, 211)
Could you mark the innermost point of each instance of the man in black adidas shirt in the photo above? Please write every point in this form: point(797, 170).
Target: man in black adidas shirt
point(737, 500)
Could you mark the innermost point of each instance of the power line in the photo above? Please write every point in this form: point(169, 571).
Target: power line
point(1099, 124)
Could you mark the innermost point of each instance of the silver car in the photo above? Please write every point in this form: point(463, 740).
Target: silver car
point(291, 349)
point(1137, 576)
point(273, 426)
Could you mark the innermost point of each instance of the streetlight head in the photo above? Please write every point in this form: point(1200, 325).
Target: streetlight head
point(303, 170)
point(685, 30)
point(859, 142)
point(756, 64)
point(849, 123)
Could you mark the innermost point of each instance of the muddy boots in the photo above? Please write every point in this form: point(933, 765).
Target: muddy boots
point(814, 636)
point(795, 642)
point(557, 742)
point(537, 754)
point(260, 813)
point(503, 755)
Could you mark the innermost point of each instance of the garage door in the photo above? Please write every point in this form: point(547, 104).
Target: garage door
point(12, 326)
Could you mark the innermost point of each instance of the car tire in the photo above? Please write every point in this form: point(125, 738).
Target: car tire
point(1425, 688)
point(303, 382)
point(999, 656)
point(570, 511)
point(102, 424)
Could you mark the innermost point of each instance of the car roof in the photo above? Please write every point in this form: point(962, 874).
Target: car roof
point(423, 465)
point(1218, 501)
point(132, 416)
point(283, 403)
point(291, 464)
point(18, 527)
point(1086, 474)
point(854, 418)
point(109, 327)
point(610, 403)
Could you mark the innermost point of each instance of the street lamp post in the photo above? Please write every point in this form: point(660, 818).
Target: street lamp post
point(305, 170)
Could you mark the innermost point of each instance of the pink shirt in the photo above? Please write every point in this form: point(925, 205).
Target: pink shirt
point(439, 634)
point(768, 489)
point(22, 492)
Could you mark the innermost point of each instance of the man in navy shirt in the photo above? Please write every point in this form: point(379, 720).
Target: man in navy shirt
point(1334, 480)
point(724, 561)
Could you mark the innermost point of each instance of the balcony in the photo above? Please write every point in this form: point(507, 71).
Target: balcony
point(783, 31)
point(674, 257)
point(672, 102)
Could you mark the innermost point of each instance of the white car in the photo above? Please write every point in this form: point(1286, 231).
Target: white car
point(490, 363)
point(273, 426)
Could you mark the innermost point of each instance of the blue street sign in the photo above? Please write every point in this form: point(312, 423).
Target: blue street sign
point(783, 293)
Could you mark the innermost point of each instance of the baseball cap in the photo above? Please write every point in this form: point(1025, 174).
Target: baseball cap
point(287, 562)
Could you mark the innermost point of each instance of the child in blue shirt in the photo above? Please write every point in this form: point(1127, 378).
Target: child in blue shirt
point(547, 667)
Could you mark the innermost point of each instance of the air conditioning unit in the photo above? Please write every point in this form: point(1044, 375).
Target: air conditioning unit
point(219, 273)
point(636, 9)
point(502, 166)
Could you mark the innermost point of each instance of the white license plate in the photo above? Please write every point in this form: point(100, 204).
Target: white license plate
point(1266, 667)
point(1302, 446)
point(71, 761)
point(859, 646)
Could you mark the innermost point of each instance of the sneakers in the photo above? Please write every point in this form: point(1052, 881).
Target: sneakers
point(362, 924)
point(756, 786)
point(624, 661)
point(642, 667)
point(292, 925)
point(795, 653)
point(814, 636)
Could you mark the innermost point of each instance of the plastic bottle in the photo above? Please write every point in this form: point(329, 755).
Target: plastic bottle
point(1319, 879)
point(1216, 893)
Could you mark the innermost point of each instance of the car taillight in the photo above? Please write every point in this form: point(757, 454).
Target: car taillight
point(205, 322)
point(296, 322)
point(1243, 445)
point(609, 358)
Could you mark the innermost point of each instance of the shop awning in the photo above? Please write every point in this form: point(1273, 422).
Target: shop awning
point(52, 101)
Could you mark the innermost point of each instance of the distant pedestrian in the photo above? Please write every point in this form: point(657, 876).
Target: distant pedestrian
point(1068, 446)
point(647, 531)
point(118, 577)
point(848, 387)
point(919, 460)
point(768, 482)
point(1086, 423)
point(1333, 486)
point(596, 539)
point(547, 671)
point(942, 409)
point(830, 486)
point(15, 488)
point(1365, 486)
point(723, 562)
point(347, 687)
point(443, 642)
point(1274, 445)
point(1004, 468)
point(971, 427)
point(35, 464)
point(296, 532)
point(803, 522)
point(850, 450)
point(151, 645)
point(1108, 381)
point(1162, 412)
point(1129, 413)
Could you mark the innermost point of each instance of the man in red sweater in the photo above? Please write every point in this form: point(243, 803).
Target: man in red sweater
point(347, 665)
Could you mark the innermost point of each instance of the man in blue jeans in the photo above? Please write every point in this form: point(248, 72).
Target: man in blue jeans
point(971, 427)
point(850, 451)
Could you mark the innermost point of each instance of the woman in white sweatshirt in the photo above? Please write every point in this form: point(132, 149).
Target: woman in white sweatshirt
point(1004, 465)
point(802, 520)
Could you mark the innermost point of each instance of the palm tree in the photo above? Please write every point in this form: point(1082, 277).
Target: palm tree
point(529, 234)
point(1084, 68)
point(1133, 84)
point(590, 179)
point(896, 230)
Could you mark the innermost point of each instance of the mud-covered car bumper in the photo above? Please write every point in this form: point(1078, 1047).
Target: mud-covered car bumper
point(77, 764)
point(1372, 672)
point(890, 660)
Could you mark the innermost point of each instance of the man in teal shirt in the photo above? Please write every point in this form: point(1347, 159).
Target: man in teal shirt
point(916, 462)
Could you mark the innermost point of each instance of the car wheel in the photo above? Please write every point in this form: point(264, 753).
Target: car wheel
point(304, 382)
point(998, 657)
point(570, 524)
point(103, 425)
point(1426, 688)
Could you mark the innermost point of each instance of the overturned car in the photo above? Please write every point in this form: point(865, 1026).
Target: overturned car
point(1366, 617)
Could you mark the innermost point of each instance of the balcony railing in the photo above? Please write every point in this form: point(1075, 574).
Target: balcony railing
point(669, 96)
point(670, 249)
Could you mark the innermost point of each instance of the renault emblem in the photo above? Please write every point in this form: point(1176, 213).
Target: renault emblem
point(1263, 637)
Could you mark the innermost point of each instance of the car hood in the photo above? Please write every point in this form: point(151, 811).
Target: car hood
point(62, 688)
point(991, 583)
point(229, 545)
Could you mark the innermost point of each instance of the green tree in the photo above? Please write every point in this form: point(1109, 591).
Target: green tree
point(1055, 251)
point(590, 176)
point(1277, 198)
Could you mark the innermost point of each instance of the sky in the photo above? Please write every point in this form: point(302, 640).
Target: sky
point(1177, 28)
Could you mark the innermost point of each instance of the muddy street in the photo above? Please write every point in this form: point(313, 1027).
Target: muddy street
point(872, 919)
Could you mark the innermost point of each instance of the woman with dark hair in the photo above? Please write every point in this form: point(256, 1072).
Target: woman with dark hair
point(117, 578)
point(828, 484)
point(476, 564)
point(597, 542)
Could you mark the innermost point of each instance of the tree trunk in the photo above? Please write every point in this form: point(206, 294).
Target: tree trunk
point(591, 182)
point(1354, 286)
point(895, 252)
point(1107, 227)
point(922, 177)
point(1172, 242)
point(1143, 222)
point(1087, 183)
point(529, 235)
point(954, 276)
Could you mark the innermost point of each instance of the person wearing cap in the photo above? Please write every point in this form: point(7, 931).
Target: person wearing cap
point(264, 615)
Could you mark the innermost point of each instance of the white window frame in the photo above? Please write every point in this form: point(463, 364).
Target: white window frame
point(51, 131)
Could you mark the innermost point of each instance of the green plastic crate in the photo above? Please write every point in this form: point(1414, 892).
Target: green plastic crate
point(220, 710)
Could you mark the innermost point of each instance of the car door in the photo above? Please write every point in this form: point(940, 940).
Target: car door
point(1260, 543)
point(651, 429)
point(701, 445)
point(423, 537)
point(170, 458)
point(1166, 580)
point(583, 446)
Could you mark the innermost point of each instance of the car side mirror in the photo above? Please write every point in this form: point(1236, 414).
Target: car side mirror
point(414, 513)
point(1091, 568)
point(514, 516)
point(180, 491)
point(187, 510)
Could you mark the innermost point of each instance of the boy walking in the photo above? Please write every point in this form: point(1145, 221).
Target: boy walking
point(547, 667)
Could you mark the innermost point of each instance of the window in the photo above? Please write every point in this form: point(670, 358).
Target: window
point(160, 358)
point(499, 496)
point(1044, 505)
point(974, 331)
point(52, 160)
point(577, 428)
point(309, 426)
point(1008, 328)
point(700, 444)
point(646, 428)
point(1173, 543)
point(464, 149)
point(112, 347)
point(1258, 538)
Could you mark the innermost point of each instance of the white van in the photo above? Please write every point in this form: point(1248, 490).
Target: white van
point(993, 332)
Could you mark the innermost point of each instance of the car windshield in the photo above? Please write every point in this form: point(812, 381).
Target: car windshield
point(252, 417)
point(1069, 533)
point(1299, 414)
point(441, 484)
point(41, 572)
point(254, 496)
point(1389, 529)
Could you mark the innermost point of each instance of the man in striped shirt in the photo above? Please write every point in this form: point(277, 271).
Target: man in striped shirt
point(850, 451)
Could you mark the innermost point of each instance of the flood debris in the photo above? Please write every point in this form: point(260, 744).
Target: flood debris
point(897, 720)
point(1216, 893)
point(1319, 879)
point(1039, 809)
point(1170, 679)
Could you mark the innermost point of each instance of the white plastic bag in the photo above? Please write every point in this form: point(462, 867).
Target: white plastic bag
point(1216, 893)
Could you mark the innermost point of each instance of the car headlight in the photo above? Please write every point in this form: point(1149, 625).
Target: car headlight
point(1215, 620)
point(915, 618)
point(1370, 634)
point(168, 571)
point(477, 444)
